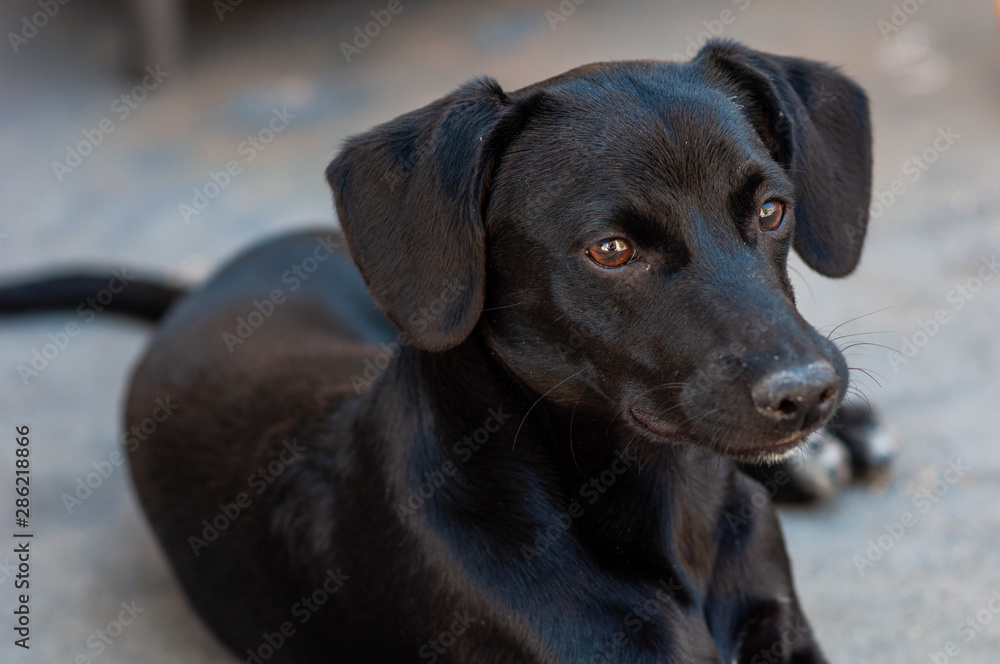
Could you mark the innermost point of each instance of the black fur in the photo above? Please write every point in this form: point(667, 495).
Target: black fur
point(544, 471)
point(143, 298)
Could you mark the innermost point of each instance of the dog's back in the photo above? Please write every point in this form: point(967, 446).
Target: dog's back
point(238, 373)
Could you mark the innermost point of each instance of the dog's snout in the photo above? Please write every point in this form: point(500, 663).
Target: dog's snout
point(797, 397)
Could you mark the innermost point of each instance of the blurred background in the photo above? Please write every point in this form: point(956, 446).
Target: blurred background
point(167, 135)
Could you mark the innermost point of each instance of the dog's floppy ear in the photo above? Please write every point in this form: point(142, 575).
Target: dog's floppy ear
point(815, 122)
point(409, 195)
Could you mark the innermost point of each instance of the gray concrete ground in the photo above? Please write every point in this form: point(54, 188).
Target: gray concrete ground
point(932, 68)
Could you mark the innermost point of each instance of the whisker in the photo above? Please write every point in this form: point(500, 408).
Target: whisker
point(658, 387)
point(704, 415)
point(506, 306)
point(868, 404)
point(859, 334)
point(865, 372)
point(573, 415)
point(687, 478)
point(528, 412)
point(628, 445)
point(854, 391)
point(870, 373)
point(851, 320)
point(802, 278)
point(869, 343)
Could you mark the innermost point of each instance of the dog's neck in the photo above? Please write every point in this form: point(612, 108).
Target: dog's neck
point(500, 449)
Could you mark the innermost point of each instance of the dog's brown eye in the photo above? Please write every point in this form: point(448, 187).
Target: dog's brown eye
point(613, 252)
point(771, 214)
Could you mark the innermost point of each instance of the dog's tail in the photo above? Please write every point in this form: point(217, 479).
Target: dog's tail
point(114, 291)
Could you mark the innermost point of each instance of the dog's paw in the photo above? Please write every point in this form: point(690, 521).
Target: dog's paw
point(855, 445)
point(869, 441)
point(821, 468)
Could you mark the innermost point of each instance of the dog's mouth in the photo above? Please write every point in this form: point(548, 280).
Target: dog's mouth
point(659, 427)
point(771, 452)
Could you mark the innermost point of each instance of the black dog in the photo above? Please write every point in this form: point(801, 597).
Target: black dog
point(595, 320)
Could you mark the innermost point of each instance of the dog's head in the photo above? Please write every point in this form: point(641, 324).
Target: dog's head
point(619, 234)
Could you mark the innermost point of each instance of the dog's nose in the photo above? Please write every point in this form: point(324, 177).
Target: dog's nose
point(797, 397)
